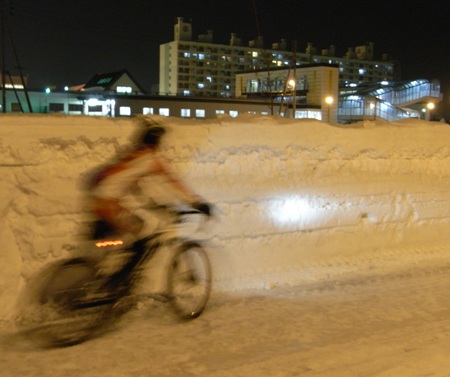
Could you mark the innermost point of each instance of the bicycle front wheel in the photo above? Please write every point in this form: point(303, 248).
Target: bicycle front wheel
point(189, 280)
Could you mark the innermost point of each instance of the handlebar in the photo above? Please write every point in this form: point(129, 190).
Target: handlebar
point(172, 210)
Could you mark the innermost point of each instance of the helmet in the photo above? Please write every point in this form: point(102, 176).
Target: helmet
point(152, 135)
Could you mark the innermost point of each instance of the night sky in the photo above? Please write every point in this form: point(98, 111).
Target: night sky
point(66, 42)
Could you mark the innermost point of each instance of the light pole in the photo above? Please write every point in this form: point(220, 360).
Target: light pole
point(329, 101)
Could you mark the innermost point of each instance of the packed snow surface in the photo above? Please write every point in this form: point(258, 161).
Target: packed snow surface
point(296, 200)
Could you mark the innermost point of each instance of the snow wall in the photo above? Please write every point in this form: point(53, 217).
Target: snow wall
point(296, 200)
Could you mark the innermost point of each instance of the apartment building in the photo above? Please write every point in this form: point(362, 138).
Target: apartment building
point(203, 68)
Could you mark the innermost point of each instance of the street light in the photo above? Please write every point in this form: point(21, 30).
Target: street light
point(329, 101)
point(373, 109)
point(292, 87)
point(430, 106)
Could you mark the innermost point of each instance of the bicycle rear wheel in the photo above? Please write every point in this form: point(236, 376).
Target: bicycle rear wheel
point(57, 322)
point(189, 281)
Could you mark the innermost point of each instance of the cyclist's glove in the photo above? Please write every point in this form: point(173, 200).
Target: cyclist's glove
point(202, 207)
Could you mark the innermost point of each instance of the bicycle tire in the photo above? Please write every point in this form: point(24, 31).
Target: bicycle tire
point(58, 323)
point(189, 280)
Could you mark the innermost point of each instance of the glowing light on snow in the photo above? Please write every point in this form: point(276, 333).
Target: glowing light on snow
point(289, 210)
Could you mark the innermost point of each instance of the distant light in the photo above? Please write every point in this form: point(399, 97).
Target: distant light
point(15, 86)
point(384, 83)
point(48, 90)
point(329, 100)
point(124, 89)
point(66, 88)
point(430, 106)
point(92, 102)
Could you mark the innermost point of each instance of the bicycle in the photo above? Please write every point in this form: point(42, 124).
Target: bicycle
point(76, 300)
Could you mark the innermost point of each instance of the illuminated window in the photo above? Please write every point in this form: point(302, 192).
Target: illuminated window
point(147, 110)
point(234, 113)
point(255, 54)
point(200, 113)
point(15, 86)
point(125, 110)
point(185, 112)
point(123, 89)
point(362, 71)
point(164, 111)
point(200, 85)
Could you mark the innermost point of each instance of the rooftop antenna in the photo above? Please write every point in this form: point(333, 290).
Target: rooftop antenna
point(258, 29)
point(266, 56)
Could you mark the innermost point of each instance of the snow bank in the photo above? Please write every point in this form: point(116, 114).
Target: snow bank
point(296, 200)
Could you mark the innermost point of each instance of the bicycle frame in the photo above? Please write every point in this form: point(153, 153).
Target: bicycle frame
point(142, 252)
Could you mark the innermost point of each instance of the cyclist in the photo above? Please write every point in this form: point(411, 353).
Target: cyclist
point(112, 184)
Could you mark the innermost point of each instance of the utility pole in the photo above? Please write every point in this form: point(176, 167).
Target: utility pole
point(19, 67)
point(294, 63)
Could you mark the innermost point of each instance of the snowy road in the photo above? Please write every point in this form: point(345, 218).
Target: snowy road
point(393, 324)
